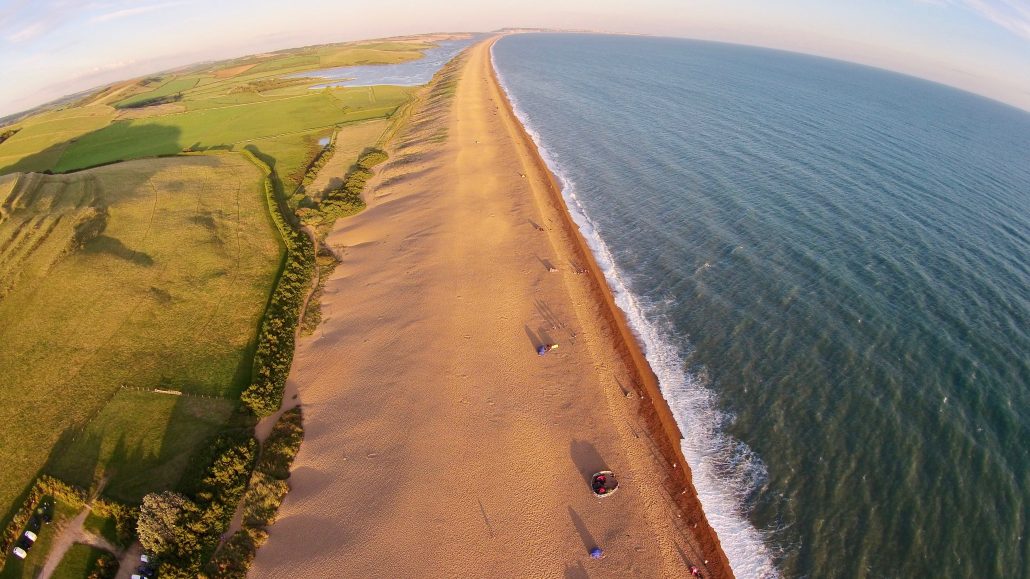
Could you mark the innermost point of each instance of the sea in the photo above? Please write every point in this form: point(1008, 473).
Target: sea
point(828, 267)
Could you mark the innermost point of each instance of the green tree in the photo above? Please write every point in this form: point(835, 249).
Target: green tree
point(165, 524)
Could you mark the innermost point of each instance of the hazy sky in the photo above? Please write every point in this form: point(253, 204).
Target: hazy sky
point(49, 48)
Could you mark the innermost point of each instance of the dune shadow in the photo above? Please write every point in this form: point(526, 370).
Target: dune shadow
point(113, 246)
point(586, 458)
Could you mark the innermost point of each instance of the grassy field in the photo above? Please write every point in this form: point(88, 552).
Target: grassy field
point(44, 138)
point(168, 295)
point(228, 126)
point(78, 562)
point(146, 273)
point(139, 456)
point(169, 88)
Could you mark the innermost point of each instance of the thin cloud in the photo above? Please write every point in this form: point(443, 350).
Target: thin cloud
point(27, 32)
point(134, 11)
point(1012, 15)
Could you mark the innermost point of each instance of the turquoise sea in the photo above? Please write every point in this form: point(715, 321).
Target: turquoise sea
point(828, 266)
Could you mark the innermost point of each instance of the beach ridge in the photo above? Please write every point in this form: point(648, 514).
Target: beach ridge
point(660, 420)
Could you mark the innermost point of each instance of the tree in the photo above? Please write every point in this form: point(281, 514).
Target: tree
point(164, 524)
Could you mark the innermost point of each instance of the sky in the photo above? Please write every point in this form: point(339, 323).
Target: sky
point(51, 48)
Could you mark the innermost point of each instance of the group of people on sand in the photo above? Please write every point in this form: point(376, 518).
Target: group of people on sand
point(602, 483)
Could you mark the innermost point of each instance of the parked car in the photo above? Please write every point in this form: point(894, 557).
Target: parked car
point(20, 553)
point(45, 510)
point(27, 540)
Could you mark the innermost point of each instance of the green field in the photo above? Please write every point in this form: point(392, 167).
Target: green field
point(228, 126)
point(169, 88)
point(135, 456)
point(147, 261)
point(169, 295)
point(78, 562)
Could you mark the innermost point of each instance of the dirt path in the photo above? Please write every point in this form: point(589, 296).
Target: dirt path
point(437, 442)
point(73, 532)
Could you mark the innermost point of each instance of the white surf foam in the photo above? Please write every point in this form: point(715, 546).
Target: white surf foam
point(725, 471)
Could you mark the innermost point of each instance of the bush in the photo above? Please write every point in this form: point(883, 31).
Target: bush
point(114, 521)
point(187, 529)
point(105, 567)
point(372, 158)
point(282, 444)
point(233, 560)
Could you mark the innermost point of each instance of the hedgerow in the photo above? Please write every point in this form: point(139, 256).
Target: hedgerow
point(264, 496)
point(321, 158)
point(274, 353)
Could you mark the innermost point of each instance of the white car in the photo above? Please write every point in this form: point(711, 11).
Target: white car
point(31, 536)
point(20, 553)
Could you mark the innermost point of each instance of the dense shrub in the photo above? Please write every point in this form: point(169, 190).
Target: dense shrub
point(105, 567)
point(321, 158)
point(7, 134)
point(274, 353)
point(184, 530)
point(263, 498)
point(233, 560)
point(372, 158)
point(124, 517)
point(282, 444)
point(264, 495)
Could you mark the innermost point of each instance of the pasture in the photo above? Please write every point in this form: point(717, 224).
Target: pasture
point(150, 273)
point(78, 562)
point(167, 89)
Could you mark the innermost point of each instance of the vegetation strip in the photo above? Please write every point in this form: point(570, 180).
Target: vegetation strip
point(265, 494)
point(276, 341)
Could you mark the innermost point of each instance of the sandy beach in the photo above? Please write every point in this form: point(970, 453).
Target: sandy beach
point(438, 443)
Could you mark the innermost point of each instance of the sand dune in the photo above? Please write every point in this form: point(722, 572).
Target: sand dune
point(438, 444)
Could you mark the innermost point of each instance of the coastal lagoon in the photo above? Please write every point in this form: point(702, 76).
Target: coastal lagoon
point(827, 265)
point(411, 73)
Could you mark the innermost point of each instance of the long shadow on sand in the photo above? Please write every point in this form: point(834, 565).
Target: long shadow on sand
point(584, 534)
point(587, 459)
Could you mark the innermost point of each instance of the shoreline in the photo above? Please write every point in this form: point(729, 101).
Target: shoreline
point(437, 441)
point(657, 414)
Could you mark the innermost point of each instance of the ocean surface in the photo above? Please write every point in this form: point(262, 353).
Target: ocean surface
point(828, 266)
point(411, 73)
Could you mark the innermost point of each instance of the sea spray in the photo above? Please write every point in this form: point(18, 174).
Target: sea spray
point(725, 471)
